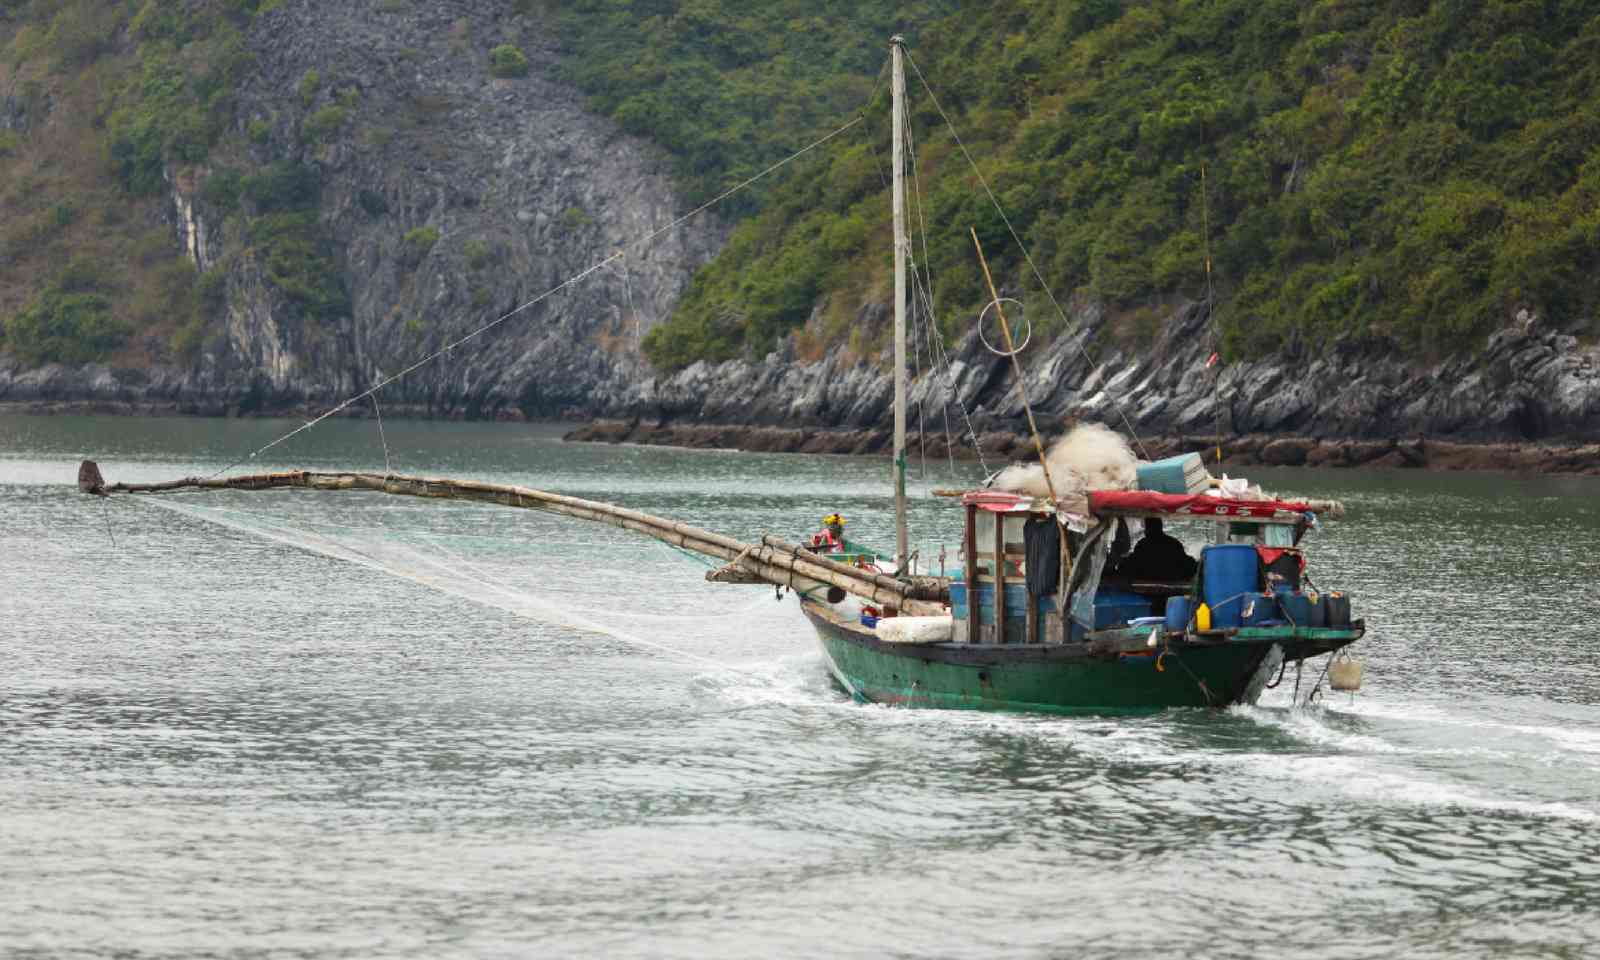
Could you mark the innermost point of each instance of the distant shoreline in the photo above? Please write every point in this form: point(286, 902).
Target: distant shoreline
point(1416, 453)
point(1567, 457)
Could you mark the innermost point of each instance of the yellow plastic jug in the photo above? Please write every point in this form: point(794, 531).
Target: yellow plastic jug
point(1202, 618)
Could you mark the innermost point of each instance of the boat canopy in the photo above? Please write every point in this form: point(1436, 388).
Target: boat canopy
point(1145, 503)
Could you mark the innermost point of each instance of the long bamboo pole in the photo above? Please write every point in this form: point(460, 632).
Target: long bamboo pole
point(782, 564)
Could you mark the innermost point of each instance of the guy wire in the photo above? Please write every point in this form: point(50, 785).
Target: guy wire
point(984, 182)
point(1211, 313)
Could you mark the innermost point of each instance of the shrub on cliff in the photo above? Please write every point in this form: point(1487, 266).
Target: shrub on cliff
point(417, 243)
point(506, 61)
point(299, 262)
point(324, 123)
point(71, 321)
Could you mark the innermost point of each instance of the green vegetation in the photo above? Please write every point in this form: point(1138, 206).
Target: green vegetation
point(726, 89)
point(507, 61)
point(1418, 172)
point(418, 242)
point(69, 321)
point(310, 83)
point(285, 237)
point(125, 103)
point(576, 218)
point(324, 123)
point(477, 253)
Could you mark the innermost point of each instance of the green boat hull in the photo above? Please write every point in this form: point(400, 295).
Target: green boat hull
point(1113, 673)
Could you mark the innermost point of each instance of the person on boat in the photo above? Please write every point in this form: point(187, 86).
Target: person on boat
point(831, 539)
point(1158, 556)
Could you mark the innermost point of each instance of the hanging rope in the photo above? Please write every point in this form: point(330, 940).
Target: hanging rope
point(1212, 358)
point(388, 469)
point(922, 285)
point(984, 182)
point(947, 367)
point(922, 291)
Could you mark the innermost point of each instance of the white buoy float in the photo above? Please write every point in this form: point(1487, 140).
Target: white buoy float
point(1344, 673)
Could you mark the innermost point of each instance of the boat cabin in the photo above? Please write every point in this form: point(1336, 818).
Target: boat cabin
point(1064, 576)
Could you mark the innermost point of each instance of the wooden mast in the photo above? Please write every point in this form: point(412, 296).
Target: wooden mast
point(898, 87)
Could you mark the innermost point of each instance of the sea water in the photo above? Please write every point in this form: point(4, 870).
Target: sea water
point(298, 724)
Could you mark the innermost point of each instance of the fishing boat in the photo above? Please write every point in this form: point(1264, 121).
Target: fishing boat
point(1045, 614)
point(1068, 638)
point(1077, 640)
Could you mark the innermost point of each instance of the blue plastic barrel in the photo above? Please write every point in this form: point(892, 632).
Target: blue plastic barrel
point(1230, 578)
point(1178, 609)
point(1296, 608)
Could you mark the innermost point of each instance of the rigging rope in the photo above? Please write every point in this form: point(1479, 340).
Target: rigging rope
point(928, 319)
point(388, 470)
point(950, 381)
point(1211, 314)
point(570, 281)
point(984, 182)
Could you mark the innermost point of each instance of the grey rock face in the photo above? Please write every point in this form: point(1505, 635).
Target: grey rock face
point(525, 189)
point(1526, 384)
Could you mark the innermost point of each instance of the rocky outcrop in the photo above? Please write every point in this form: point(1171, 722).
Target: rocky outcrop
point(451, 199)
point(1526, 384)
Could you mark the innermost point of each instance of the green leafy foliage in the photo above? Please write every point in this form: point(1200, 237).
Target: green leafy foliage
point(324, 123)
point(70, 321)
point(284, 234)
point(1418, 172)
point(726, 86)
point(310, 83)
point(299, 262)
point(134, 96)
point(506, 61)
point(418, 242)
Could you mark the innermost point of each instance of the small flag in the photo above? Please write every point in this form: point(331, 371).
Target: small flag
point(1211, 361)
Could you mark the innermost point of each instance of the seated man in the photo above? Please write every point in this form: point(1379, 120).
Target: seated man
point(1157, 557)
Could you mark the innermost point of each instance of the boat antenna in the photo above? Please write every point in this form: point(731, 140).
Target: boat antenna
point(1016, 366)
point(897, 85)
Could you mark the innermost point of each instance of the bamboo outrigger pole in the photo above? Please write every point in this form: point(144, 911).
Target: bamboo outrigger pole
point(771, 561)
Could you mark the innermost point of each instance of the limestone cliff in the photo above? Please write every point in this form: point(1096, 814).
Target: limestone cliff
point(448, 197)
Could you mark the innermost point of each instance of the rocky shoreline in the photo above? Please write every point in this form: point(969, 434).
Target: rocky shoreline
point(1240, 451)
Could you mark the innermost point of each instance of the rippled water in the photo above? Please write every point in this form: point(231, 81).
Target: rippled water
point(346, 725)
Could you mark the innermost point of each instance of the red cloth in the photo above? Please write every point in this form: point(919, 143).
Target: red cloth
point(1194, 505)
point(826, 541)
point(1271, 554)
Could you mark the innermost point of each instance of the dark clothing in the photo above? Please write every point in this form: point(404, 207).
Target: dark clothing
point(1042, 538)
point(1158, 557)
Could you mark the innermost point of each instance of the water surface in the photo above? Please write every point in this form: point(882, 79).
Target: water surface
point(344, 725)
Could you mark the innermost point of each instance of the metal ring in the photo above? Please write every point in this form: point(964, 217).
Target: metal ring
point(990, 347)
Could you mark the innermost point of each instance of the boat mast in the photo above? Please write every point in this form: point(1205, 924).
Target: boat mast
point(898, 86)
